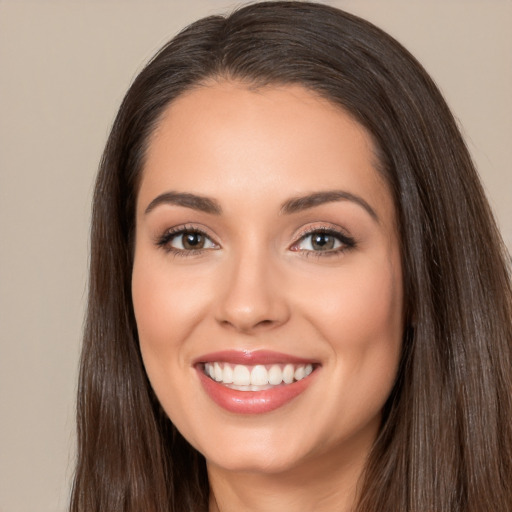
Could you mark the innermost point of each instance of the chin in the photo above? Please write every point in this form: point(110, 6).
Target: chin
point(260, 461)
point(252, 450)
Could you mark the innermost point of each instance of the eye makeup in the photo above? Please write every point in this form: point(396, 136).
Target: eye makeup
point(186, 241)
point(318, 241)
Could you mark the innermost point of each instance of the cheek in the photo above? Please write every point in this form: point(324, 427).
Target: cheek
point(359, 313)
point(167, 303)
point(168, 306)
point(360, 300)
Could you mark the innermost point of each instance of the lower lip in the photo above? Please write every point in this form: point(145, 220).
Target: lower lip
point(252, 402)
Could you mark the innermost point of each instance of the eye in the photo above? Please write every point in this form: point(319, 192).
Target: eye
point(191, 240)
point(324, 240)
point(186, 240)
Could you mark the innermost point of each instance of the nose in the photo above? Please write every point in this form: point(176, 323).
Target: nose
point(253, 297)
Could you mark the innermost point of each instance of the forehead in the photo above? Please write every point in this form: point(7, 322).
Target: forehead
point(228, 140)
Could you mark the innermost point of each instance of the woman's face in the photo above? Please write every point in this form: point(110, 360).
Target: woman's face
point(267, 282)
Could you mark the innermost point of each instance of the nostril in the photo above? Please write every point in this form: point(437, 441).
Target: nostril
point(240, 326)
point(264, 323)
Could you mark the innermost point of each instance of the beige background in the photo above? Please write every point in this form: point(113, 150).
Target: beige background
point(64, 66)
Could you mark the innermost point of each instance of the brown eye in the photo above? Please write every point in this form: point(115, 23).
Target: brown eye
point(322, 242)
point(193, 241)
point(190, 241)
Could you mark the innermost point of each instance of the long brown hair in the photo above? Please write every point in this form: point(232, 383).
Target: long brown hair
point(446, 440)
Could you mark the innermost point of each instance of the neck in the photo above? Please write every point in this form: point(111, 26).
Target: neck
point(319, 485)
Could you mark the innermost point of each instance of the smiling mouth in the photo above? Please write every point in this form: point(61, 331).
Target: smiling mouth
point(254, 382)
point(256, 377)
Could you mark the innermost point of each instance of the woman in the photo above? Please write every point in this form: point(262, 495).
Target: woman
point(298, 295)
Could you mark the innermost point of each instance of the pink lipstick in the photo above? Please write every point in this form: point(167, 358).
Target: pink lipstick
point(254, 382)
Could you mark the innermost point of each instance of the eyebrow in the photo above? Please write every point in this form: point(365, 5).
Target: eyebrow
point(298, 204)
point(293, 205)
point(203, 204)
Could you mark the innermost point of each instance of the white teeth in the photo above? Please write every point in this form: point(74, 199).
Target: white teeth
point(249, 388)
point(300, 373)
point(275, 375)
point(258, 377)
point(241, 375)
point(288, 373)
point(217, 372)
point(227, 376)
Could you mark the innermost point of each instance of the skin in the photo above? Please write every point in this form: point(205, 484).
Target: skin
point(259, 285)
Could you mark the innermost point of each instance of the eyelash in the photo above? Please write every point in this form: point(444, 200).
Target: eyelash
point(165, 240)
point(347, 242)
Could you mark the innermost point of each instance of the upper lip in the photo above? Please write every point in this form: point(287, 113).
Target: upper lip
point(251, 357)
